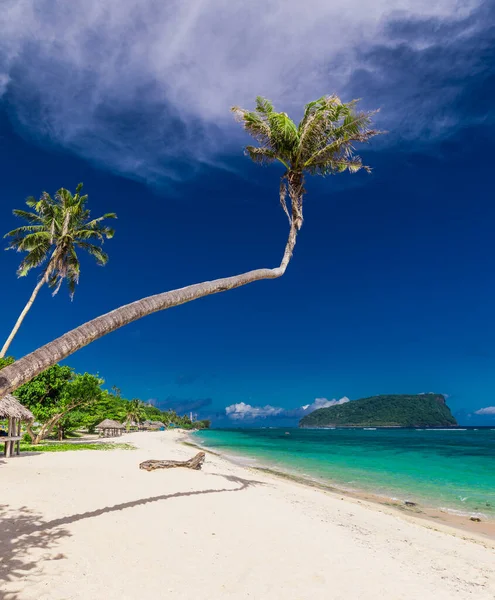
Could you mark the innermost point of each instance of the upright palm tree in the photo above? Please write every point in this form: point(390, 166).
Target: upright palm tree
point(321, 144)
point(134, 412)
point(56, 228)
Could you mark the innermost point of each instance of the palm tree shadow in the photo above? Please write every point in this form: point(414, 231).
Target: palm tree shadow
point(23, 530)
point(243, 484)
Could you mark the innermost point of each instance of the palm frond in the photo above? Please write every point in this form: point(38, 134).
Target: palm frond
point(95, 251)
point(336, 165)
point(28, 216)
point(284, 134)
point(263, 106)
point(283, 197)
point(15, 233)
point(32, 260)
point(261, 156)
point(254, 124)
point(31, 241)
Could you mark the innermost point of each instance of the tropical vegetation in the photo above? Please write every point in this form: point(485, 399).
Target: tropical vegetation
point(322, 143)
point(64, 402)
point(56, 229)
point(400, 410)
point(70, 447)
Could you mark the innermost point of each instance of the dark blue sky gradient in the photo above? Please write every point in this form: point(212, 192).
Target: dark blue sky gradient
point(391, 288)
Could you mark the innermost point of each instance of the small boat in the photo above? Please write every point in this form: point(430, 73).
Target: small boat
point(287, 433)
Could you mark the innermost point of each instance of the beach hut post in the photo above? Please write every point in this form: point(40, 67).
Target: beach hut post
point(14, 412)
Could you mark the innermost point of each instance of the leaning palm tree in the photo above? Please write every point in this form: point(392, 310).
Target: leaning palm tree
point(56, 228)
point(321, 144)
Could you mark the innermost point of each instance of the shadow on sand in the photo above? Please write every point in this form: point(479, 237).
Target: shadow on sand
point(23, 530)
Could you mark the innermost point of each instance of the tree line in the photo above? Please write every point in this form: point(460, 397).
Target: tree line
point(64, 402)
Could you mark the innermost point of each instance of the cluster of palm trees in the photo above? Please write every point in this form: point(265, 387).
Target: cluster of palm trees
point(322, 143)
point(134, 413)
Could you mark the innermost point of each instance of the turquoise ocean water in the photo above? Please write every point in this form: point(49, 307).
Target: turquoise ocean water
point(453, 469)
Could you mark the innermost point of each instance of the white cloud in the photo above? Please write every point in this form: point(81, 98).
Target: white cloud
point(324, 403)
point(141, 85)
point(488, 410)
point(243, 411)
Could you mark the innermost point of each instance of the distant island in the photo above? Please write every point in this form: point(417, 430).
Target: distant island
point(417, 410)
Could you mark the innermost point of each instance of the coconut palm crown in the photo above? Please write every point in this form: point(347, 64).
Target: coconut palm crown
point(322, 143)
point(57, 227)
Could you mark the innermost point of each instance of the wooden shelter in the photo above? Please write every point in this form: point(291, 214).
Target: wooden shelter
point(110, 428)
point(151, 426)
point(15, 413)
point(157, 425)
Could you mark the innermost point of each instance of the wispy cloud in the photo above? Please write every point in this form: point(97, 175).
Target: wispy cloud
point(143, 88)
point(246, 412)
point(488, 410)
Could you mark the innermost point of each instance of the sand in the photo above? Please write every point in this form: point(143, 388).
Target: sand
point(91, 525)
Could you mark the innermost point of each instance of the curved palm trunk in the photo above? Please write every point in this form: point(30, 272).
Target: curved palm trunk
point(25, 311)
point(33, 364)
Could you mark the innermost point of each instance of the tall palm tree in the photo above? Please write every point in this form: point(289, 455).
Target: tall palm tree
point(56, 228)
point(134, 412)
point(321, 144)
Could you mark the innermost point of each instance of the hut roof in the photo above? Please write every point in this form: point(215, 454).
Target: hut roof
point(12, 408)
point(158, 424)
point(109, 424)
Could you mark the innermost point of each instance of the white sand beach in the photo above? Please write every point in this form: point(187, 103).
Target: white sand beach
point(92, 525)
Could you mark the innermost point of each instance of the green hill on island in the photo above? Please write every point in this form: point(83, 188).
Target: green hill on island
point(419, 410)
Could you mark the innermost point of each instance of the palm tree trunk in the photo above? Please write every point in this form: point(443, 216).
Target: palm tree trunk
point(25, 311)
point(23, 370)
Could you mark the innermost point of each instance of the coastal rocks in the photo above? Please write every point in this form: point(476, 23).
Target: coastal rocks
point(475, 519)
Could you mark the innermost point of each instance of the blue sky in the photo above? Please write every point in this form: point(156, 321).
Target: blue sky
point(392, 285)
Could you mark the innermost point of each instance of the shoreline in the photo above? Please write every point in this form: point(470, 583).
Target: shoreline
point(92, 524)
point(433, 516)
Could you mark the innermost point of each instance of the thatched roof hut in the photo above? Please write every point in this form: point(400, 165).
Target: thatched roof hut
point(106, 424)
point(109, 427)
point(10, 408)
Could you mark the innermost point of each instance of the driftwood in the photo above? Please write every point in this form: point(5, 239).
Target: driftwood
point(193, 463)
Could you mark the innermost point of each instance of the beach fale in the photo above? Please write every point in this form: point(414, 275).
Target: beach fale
point(110, 428)
point(12, 409)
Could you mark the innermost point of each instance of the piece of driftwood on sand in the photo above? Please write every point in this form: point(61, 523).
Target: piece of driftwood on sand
point(193, 463)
